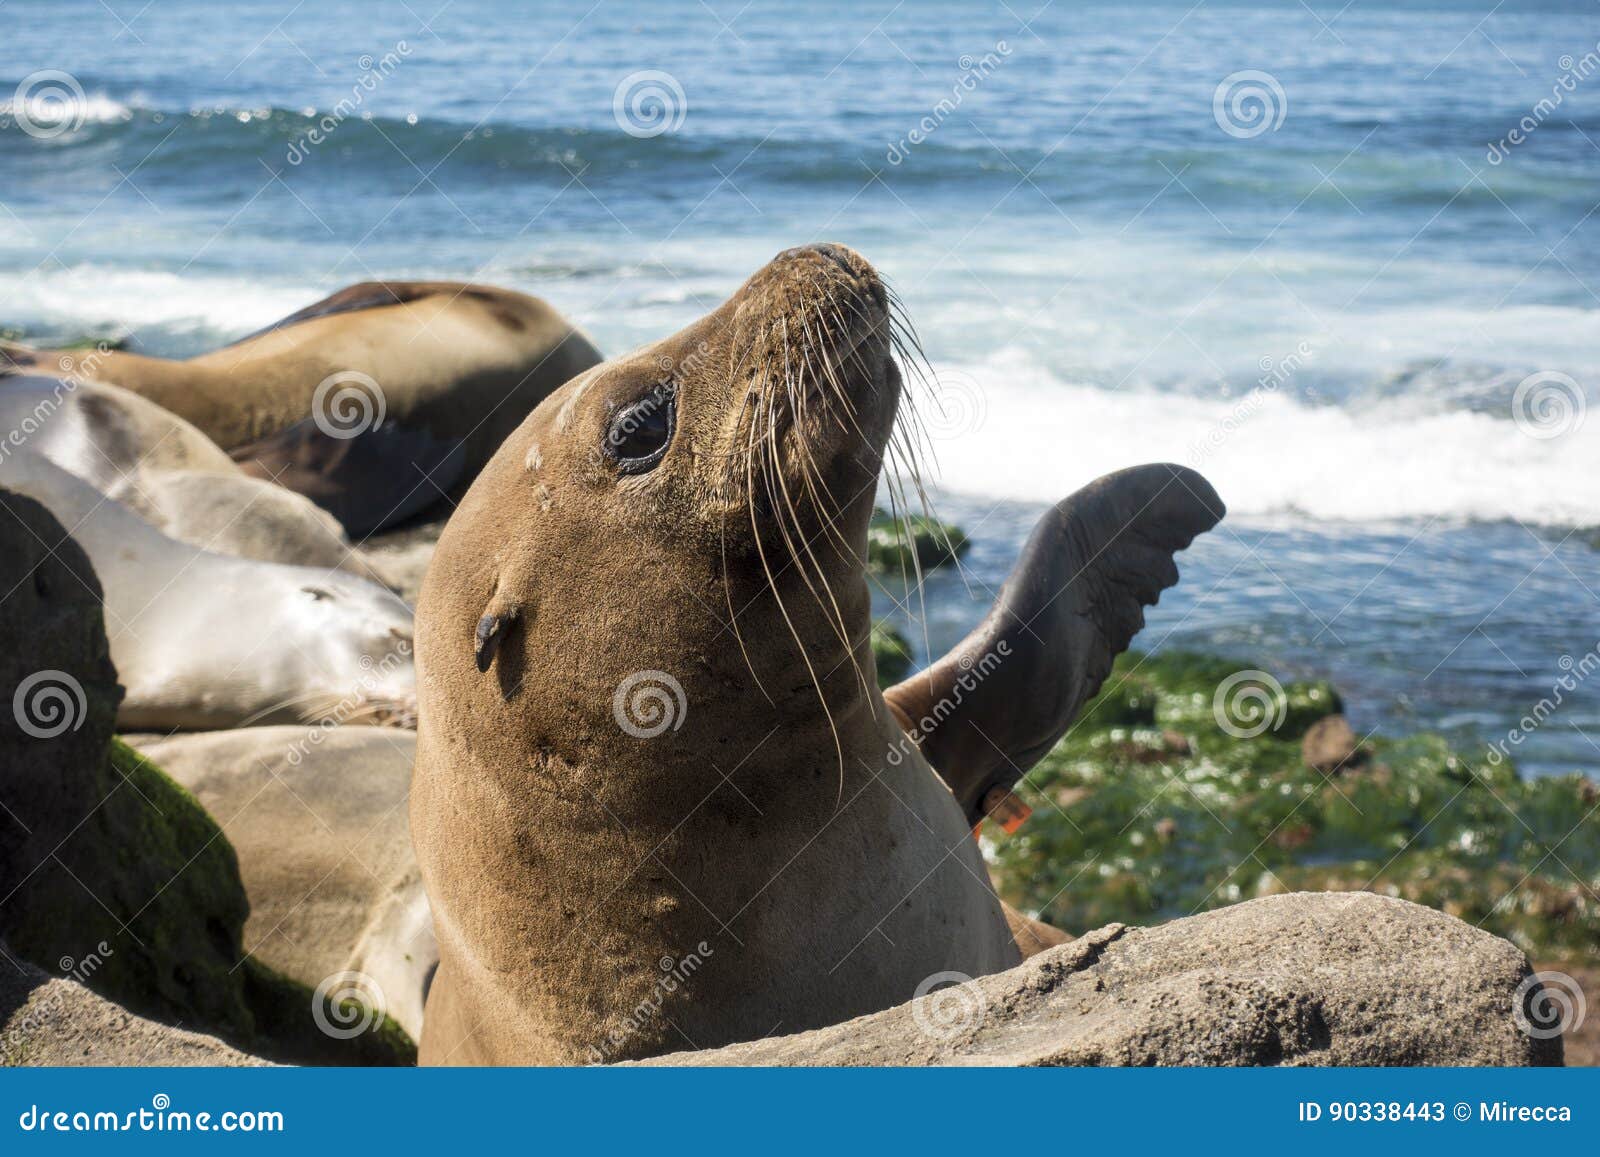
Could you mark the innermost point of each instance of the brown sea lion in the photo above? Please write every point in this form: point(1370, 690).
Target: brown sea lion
point(372, 402)
point(659, 800)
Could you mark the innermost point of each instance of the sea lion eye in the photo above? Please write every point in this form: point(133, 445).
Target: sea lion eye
point(640, 431)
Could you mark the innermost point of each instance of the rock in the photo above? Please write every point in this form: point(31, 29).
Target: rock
point(914, 542)
point(891, 653)
point(103, 855)
point(1300, 979)
point(1330, 745)
point(59, 1022)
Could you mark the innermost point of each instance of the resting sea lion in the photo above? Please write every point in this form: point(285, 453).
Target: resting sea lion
point(318, 820)
point(169, 473)
point(203, 640)
point(659, 801)
point(372, 402)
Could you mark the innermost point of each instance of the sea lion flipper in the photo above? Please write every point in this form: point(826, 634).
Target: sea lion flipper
point(988, 710)
point(368, 481)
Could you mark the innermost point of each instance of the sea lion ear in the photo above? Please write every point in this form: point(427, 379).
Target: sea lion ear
point(991, 708)
point(491, 630)
point(368, 481)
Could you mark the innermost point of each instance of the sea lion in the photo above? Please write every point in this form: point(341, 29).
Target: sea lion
point(318, 820)
point(659, 800)
point(372, 402)
point(203, 640)
point(169, 473)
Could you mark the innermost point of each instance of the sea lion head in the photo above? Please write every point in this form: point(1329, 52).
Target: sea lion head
point(673, 539)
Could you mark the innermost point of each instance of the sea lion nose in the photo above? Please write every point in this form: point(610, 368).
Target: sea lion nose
point(844, 259)
point(839, 255)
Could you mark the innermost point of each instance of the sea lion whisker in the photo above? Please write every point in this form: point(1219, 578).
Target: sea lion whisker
point(805, 657)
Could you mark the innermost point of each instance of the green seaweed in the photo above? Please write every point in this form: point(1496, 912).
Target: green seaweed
point(1151, 809)
point(891, 652)
point(151, 888)
point(914, 542)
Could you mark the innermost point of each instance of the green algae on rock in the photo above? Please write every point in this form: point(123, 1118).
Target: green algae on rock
point(1153, 808)
point(912, 543)
point(104, 857)
point(891, 652)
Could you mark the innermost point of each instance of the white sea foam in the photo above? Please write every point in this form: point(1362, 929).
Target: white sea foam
point(88, 296)
point(1036, 438)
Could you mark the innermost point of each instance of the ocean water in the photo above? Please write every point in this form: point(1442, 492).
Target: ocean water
point(1345, 260)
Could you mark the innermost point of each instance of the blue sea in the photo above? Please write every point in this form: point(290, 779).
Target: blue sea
point(1344, 259)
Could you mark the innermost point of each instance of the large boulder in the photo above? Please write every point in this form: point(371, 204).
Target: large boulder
point(1300, 979)
point(103, 855)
